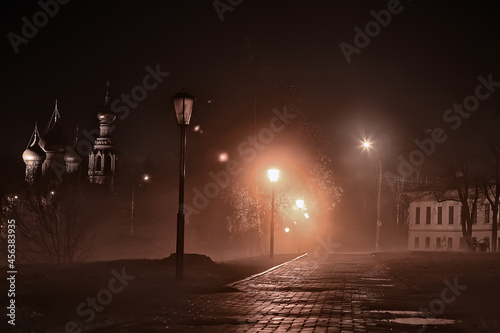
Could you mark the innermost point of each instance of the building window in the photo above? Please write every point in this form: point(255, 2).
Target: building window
point(417, 215)
point(427, 242)
point(440, 215)
point(417, 242)
point(438, 243)
point(450, 243)
point(451, 214)
point(428, 215)
point(486, 213)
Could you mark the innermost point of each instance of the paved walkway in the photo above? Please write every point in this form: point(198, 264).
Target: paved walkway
point(331, 293)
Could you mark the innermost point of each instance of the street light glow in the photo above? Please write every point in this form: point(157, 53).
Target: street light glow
point(146, 177)
point(223, 157)
point(287, 229)
point(299, 203)
point(306, 215)
point(366, 144)
point(273, 175)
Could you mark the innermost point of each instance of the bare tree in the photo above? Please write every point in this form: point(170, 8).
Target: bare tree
point(302, 150)
point(489, 172)
point(467, 186)
point(247, 211)
point(51, 223)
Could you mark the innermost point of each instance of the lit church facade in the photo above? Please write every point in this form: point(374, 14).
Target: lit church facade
point(52, 154)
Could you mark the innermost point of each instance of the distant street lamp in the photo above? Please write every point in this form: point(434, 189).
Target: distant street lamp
point(183, 106)
point(145, 178)
point(299, 203)
point(273, 177)
point(379, 223)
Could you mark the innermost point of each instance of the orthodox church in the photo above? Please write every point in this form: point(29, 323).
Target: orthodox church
point(52, 154)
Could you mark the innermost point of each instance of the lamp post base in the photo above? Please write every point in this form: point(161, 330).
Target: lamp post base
point(179, 253)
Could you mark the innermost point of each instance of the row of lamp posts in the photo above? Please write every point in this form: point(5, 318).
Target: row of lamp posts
point(183, 106)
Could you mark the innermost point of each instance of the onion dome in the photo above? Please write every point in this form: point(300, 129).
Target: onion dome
point(34, 153)
point(72, 156)
point(105, 115)
point(54, 139)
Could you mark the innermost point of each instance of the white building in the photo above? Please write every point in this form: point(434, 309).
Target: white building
point(436, 225)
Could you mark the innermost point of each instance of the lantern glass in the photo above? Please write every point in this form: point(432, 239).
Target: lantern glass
point(299, 203)
point(273, 175)
point(183, 106)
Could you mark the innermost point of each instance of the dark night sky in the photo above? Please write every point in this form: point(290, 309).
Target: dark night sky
point(426, 59)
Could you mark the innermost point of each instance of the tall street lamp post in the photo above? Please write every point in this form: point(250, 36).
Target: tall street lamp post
point(299, 203)
point(183, 106)
point(145, 178)
point(379, 223)
point(273, 177)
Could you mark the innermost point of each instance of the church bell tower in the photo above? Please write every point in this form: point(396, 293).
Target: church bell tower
point(104, 155)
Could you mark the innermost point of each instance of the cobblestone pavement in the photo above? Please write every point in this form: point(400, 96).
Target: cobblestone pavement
point(330, 293)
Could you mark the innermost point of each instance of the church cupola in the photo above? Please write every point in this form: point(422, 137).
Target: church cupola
point(54, 142)
point(104, 155)
point(106, 116)
point(53, 139)
point(33, 157)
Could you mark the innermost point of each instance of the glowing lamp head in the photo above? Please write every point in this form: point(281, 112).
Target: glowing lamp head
point(273, 175)
point(287, 229)
point(145, 178)
point(366, 144)
point(299, 203)
point(183, 105)
point(306, 215)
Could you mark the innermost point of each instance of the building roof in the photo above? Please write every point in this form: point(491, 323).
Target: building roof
point(53, 139)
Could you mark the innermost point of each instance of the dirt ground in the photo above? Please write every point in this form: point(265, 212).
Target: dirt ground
point(48, 295)
point(477, 276)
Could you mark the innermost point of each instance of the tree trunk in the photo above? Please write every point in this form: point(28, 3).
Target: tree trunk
point(494, 230)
